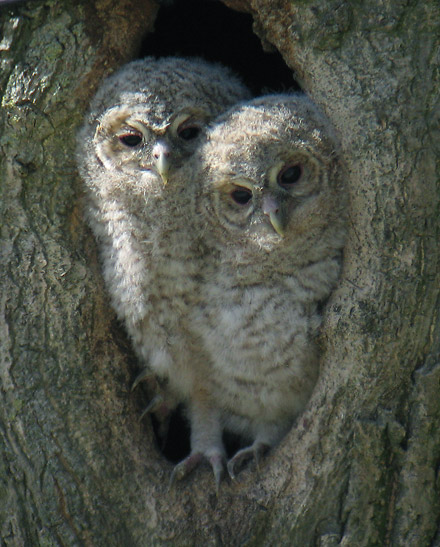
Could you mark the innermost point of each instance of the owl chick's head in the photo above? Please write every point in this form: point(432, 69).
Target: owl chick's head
point(271, 175)
point(151, 114)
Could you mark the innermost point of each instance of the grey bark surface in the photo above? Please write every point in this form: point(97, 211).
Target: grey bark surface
point(362, 465)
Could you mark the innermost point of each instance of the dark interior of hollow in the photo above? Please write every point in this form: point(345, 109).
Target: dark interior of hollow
point(208, 29)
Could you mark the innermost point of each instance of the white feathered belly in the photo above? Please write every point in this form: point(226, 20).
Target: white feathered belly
point(263, 357)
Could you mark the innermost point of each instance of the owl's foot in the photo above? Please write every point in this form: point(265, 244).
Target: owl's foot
point(255, 451)
point(186, 466)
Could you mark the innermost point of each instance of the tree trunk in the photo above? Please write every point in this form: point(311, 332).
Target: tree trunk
point(361, 466)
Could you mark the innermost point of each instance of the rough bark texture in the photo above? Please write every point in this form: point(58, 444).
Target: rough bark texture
point(361, 467)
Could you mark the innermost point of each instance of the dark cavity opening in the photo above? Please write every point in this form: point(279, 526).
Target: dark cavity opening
point(208, 29)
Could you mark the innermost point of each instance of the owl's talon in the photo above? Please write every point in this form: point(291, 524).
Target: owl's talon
point(145, 374)
point(161, 404)
point(255, 452)
point(154, 406)
point(186, 466)
point(217, 465)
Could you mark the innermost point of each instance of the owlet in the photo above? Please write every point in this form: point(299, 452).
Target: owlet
point(268, 207)
point(144, 124)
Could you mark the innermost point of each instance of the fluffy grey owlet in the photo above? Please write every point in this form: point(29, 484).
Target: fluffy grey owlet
point(144, 124)
point(268, 204)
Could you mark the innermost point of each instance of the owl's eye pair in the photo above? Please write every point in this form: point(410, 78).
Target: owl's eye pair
point(131, 139)
point(289, 175)
point(186, 133)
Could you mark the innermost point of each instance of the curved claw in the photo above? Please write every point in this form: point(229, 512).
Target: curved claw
point(186, 466)
point(145, 374)
point(255, 451)
point(158, 406)
point(153, 406)
point(217, 465)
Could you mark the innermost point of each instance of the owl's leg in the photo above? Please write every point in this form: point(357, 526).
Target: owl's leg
point(206, 443)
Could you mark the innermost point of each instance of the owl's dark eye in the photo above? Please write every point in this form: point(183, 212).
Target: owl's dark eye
point(189, 132)
point(241, 196)
point(131, 139)
point(289, 175)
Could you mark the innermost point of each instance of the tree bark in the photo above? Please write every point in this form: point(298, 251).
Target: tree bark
point(361, 466)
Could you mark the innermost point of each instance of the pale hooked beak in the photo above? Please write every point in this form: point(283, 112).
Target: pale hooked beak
point(161, 159)
point(272, 209)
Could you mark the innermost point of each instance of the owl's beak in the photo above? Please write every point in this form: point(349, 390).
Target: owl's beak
point(274, 211)
point(161, 155)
